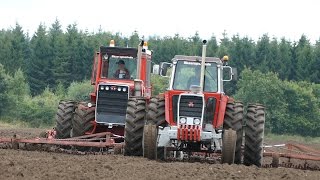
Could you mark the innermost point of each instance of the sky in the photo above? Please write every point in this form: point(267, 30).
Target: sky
point(252, 18)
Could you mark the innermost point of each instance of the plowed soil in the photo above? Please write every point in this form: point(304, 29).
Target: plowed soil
point(21, 164)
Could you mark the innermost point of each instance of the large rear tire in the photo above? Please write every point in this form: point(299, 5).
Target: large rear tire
point(64, 118)
point(228, 146)
point(156, 112)
point(135, 120)
point(150, 135)
point(233, 119)
point(254, 134)
point(83, 120)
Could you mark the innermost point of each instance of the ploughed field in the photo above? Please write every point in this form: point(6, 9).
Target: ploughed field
point(21, 164)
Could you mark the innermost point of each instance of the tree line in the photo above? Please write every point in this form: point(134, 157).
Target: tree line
point(52, 56)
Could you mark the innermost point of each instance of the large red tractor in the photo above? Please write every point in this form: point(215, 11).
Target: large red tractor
point(121, 79)
point(195, 116)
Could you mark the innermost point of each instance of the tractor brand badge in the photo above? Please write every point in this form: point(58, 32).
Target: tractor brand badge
point(191, 104)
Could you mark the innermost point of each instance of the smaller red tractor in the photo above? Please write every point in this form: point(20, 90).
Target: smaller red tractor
point(121, 79)
point(194, 116)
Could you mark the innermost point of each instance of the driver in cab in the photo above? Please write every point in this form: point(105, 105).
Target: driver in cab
point(122, 72)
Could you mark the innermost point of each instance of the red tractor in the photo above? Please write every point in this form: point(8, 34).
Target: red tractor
point(194, 116)
point(121, 79)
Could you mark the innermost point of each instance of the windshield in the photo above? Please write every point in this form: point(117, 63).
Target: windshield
point(119, 67)
point(188, 73)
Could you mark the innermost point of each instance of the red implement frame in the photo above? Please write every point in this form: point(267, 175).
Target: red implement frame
point(99, 140)
point(294, 151)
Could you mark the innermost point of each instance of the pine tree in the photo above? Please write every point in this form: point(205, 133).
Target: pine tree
point(61, 70)
point(304, 55)
point(3, 90)
point(39, 71)
point(285, 67)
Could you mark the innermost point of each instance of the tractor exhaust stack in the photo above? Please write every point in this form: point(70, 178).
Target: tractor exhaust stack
point(203, 62)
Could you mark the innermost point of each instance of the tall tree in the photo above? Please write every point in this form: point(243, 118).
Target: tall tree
point(315, 64)
point(285, 67)
point(74, 54)
point(304, 55)
point(39, 71)
point(58, 54)
point(263, 54)
point(3, 90)
point(212, 47)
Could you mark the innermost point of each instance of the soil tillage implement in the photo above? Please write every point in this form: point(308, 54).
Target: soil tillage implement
point(104, 142)
point(292, 156)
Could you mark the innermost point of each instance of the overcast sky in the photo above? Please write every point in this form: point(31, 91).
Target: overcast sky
point(278, 18)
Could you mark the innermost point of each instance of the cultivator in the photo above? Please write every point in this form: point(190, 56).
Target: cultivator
point(104, 142)
point(292, 153)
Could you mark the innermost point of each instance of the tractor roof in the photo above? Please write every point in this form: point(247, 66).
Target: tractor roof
point(196, 58)
point(119, 51)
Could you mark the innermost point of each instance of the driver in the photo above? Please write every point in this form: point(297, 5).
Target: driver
point(122, 72)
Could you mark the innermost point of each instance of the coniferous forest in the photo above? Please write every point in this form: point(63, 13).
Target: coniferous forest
point(37, 70)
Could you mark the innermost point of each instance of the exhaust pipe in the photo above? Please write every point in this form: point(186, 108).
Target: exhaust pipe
point(203, 62)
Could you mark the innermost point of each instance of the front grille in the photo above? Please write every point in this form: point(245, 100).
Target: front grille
point(190, 106)
point(111, 104)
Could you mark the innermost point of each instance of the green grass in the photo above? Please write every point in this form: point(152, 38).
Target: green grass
point(4, 123)
point(291, 138)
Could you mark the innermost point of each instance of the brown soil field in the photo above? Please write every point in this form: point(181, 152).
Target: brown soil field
point(21, 164)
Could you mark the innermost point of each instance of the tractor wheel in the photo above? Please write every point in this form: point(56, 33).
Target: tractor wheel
point(254, 133)
point(64, 118)
point(228, 146)
point(133, 133)
point(150, 135)
point(83, 120)
point(156, 112)
point(233, 119)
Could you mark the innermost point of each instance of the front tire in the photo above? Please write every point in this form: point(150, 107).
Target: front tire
point(233, 119)
point(135, 120)
point(150, 135)
point(64, 118)
point(254, 135)
point(228, 146)
point(82, 123)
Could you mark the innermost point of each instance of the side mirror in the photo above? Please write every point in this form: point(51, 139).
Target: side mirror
point(227, 73)
point(234, 74)
point(156, 69)
point(164, 68)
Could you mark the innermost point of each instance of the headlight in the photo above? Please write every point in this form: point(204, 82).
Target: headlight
point(183, 120)
point(101, 87)
point(107, 88)
point(89, 105)
point(196, 121)
point(119, 88)
point(124, 89)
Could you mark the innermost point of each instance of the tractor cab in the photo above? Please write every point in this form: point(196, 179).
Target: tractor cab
point(119, 73)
